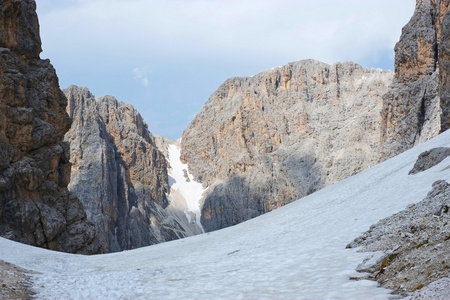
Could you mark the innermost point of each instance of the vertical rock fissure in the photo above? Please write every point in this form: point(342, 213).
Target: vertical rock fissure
point(338, 83)
point(420, 117)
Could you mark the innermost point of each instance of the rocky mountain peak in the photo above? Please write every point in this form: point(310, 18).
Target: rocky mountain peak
point(119, 174)
point(19, 28)
point(417, 106)
point(263, 141)
point(35, 205)
point(417, 52)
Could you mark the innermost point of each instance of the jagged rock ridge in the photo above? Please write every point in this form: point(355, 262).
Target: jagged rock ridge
point(263, 141)
point(416, 108)
point(35, 205)
point(118, 173)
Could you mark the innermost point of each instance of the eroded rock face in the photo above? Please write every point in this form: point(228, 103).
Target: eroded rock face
point(35, 205)
point(263, 141)
point(417, 106)
point(118, 173)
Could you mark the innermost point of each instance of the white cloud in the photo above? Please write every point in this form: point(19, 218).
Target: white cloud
point(192, 46)
point(229, 30)
point(140, 75)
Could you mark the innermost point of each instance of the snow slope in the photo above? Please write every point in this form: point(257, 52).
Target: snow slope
point(182, 184)
point(294, 252)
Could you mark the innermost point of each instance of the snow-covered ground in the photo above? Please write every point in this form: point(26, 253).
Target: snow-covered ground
point(184, 190)
point(295, 252)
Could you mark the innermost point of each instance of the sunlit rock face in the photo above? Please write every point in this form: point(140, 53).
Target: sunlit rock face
point(35, 205)
point(417, 106)
point(118, 173)
point(263, 141)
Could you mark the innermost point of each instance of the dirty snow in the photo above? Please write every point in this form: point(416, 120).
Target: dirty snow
point(296, 251)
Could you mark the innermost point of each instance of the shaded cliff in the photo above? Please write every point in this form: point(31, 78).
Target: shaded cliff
point(35, 205)
point(118, 173)
point(417, 106)
point(263, 141)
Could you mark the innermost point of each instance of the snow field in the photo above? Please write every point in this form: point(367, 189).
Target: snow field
point(294, 252)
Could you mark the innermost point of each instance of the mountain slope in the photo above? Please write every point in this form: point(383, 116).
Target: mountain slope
point(119, 174)
point(296, 251)
point(261, 142)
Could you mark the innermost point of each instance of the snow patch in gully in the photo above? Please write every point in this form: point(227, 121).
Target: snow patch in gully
point(182, 183)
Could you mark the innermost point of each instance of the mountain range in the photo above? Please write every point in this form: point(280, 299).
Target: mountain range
point(83, 174)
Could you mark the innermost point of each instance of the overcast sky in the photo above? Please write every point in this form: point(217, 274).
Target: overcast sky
point(166, 57)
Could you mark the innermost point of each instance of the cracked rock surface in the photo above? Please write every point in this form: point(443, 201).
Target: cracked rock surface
point(261, 142)
point(35, 205)
point(118, 173)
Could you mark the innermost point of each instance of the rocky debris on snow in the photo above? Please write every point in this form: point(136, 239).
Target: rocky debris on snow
point(14, 282)
point(118, 173)
point(261, 142)
point(429, 159)
point(415, 243)
point(35, 205)
point(416, 108)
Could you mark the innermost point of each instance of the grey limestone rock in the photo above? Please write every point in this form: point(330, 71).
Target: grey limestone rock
point(416, 107)
point(35, 205)
point(118, 173)
point(263, 141)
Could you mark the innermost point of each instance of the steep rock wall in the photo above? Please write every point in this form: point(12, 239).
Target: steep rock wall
point(35, 205)
point(417, 106)
point(118, 173)
point(263, 141)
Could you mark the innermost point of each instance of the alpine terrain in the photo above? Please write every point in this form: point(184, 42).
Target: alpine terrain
point(297, 251)
point(335, 177)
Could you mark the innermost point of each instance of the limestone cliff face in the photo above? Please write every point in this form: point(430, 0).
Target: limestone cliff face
point(417, 106)
point(35, 205)
point(263, 141)
point(118, 173)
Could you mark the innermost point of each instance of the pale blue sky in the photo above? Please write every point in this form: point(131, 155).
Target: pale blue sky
point(167, 57)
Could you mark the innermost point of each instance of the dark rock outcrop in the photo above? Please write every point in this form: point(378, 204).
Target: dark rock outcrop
point(118, 173)
point(417, 106)
point(35, 205)
point(263, 141)
point(429, 159)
